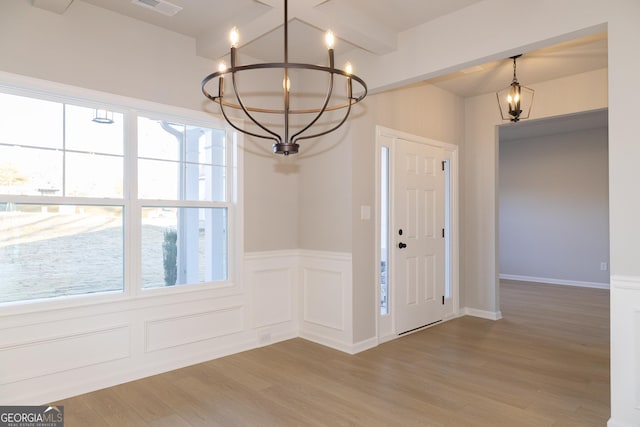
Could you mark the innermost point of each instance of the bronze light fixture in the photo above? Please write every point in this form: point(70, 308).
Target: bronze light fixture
point(287, 142)
point(515, 100)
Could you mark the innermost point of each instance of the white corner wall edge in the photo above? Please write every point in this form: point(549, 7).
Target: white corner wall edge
point(552, 281)
point(489, 315)
point(317, 289)
point(625, 361)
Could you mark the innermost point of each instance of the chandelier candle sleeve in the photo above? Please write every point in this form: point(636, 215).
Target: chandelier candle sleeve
point(285, 141)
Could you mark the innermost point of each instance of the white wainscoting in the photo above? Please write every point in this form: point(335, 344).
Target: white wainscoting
point(177, 331)
point(41, 357)
point(625, 351)
point(272, 279)
point(326, 299)
point(51, 354)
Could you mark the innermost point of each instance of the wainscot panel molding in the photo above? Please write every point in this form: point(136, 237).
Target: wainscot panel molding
point(272, 280)
point(326, 299)
point(64, 351)
point(625, 361)
point(552, 281)
point(42, 357)
point(70, 348)
point(180, 330)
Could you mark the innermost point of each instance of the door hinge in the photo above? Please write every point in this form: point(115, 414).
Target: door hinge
point(442, 299)
point(443, 233)
point(443, 162)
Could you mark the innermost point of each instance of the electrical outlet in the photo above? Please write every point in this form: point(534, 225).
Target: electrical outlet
point(603, 266)
point(264, 338)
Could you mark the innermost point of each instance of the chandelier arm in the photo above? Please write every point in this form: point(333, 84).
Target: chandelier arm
point(344, 119)
point(320, 113)
point(246, 132)
point(275, 65)
point(307, 111)
point(260, 125)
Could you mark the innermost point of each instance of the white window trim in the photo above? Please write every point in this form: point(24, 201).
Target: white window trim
point(133, 291)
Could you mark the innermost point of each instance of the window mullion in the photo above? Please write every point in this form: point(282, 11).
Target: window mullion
point(132, 227)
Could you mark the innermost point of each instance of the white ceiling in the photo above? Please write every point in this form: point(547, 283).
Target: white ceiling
point(371, 25)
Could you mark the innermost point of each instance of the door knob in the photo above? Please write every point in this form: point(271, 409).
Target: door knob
point(402, 245)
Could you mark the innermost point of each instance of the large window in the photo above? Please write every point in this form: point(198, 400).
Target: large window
point(181, 179)
point(89, 207)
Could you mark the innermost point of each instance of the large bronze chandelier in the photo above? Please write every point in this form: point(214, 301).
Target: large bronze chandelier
point(286, 142)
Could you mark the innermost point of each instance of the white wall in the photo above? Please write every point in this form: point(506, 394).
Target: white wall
point(554, 208)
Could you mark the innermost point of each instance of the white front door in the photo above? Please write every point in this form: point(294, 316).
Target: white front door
point(417, 234)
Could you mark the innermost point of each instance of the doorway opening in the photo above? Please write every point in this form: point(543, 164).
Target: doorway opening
point(553, 192)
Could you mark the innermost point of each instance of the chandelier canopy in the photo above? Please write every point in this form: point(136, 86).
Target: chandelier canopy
point(515, 100)
point(286, 141)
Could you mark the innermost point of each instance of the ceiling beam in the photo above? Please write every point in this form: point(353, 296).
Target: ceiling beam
point(215, 43)
point(56, 6)
point(358, 29)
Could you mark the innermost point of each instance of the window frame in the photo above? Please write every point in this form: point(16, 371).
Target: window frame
point(132, 109)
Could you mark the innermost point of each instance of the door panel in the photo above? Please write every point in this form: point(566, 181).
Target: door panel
point(418, 220)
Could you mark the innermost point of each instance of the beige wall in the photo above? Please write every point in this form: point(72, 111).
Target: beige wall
point(422, 110)
point(271, 188)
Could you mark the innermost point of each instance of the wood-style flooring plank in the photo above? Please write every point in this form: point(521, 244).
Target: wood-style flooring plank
point(545, 364)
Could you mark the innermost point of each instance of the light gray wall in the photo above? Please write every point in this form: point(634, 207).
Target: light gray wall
point(479, 204)
point(554, 206)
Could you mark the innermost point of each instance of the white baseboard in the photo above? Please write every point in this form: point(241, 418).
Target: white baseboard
point(326, 341)
point(364, 345)
point(553, 281)
point(339, 345)
point(615, 423)
point(490, 315)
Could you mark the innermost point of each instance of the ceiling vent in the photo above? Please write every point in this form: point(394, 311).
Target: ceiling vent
point(160, 6)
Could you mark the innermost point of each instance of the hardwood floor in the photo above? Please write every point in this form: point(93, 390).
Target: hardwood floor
point(546, 363)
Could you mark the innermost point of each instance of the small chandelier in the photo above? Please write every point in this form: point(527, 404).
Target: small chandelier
point(515, 101)
point(103, 116)
point(287, 143)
